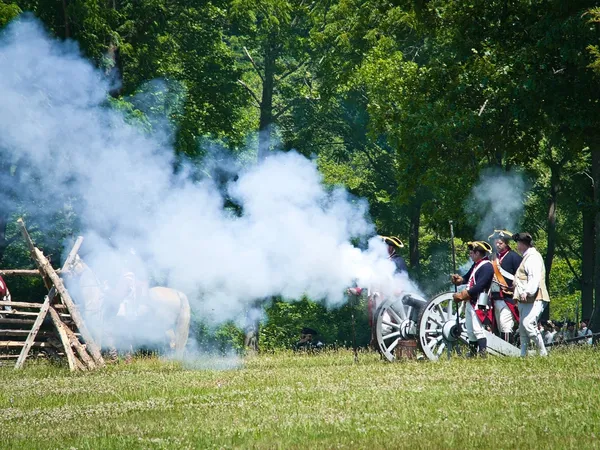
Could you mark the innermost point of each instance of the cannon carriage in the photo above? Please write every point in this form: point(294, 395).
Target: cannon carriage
point(436, 325)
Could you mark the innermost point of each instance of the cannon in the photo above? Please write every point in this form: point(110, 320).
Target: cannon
point(434, 324)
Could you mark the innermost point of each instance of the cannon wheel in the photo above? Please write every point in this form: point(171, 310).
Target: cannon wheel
point(393, 324)
point(437, 328)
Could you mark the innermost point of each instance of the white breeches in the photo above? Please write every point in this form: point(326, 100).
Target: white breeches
point(529, 313)
point(504, 317)
point(473, 324)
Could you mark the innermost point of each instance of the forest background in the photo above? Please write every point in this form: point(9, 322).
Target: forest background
point(409, 104)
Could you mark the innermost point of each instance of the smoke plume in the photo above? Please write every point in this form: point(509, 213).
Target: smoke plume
point(496, 202)
point(291, 236)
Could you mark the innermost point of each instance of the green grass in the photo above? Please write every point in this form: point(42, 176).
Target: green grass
point(308, 401)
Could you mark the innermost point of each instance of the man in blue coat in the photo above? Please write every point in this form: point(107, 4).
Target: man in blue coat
point(479, 281)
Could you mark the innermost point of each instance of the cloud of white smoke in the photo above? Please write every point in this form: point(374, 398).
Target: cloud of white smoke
point(292, 236)
point(497, 201)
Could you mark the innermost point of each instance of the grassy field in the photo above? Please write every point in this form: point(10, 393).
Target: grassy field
point(308, 401)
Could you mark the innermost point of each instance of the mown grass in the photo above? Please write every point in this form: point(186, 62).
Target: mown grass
point(291, 400)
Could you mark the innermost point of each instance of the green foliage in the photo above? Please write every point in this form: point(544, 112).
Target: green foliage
point(223, 339)
point(285, 320)
point(8, 11)
point(405, 103)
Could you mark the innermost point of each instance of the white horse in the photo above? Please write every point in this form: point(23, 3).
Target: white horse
point(166, 309)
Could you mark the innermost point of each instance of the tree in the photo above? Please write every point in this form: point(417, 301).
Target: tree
point(272, 40)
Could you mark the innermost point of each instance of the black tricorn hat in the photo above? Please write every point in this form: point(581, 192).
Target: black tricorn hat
point(393, 241)
point(480, 245)
point(505, 235)
point(307, 330)
point(523, 237)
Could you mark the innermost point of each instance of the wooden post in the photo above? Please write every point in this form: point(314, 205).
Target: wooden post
point(79, 347)
point(33, 333)
point(71, 307)
point(66, 343)
point(48, 299)
point(32, 250)
point(22, 272)
point(72, 255)
point(53, 281)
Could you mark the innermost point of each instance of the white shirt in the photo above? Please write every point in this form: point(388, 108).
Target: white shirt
point(549, 337)
point(533, 265)
point(585, 332)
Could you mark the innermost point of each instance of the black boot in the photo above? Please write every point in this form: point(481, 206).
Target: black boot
point(482, 344)
point(472, 349)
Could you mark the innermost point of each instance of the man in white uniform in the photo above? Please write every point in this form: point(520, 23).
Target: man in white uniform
point(530, 293)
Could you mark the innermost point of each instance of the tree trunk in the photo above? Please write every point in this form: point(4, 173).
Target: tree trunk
point(413, 237)
point(551, 228)
point(551, 221)
point(587, 263)
point(66, 19)
point(595, 325)
point(266, 104)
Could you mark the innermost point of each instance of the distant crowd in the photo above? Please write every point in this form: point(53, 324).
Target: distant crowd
point(565, 333)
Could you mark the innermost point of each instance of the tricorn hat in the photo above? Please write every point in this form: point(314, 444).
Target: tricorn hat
point(479, 245)
point(393, 241)
point(505, 235)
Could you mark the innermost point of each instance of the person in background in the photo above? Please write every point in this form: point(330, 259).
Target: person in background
point(559, 337)
point(570, 332)
point(505, 265)
point(550, 333)
point(308, 341)
point(530, 292)
point(479, 280)
point(584, 331)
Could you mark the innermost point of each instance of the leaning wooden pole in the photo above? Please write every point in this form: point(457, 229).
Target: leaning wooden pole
point(33, 333)
point(49, 273)
point(64, 339)
point(49, 298)
point(22, 273)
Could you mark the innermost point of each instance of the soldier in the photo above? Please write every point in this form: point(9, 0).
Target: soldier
point(4, 294)
point(530, 292)
point(393, 245)
point(479, 280)
point(505, 265)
